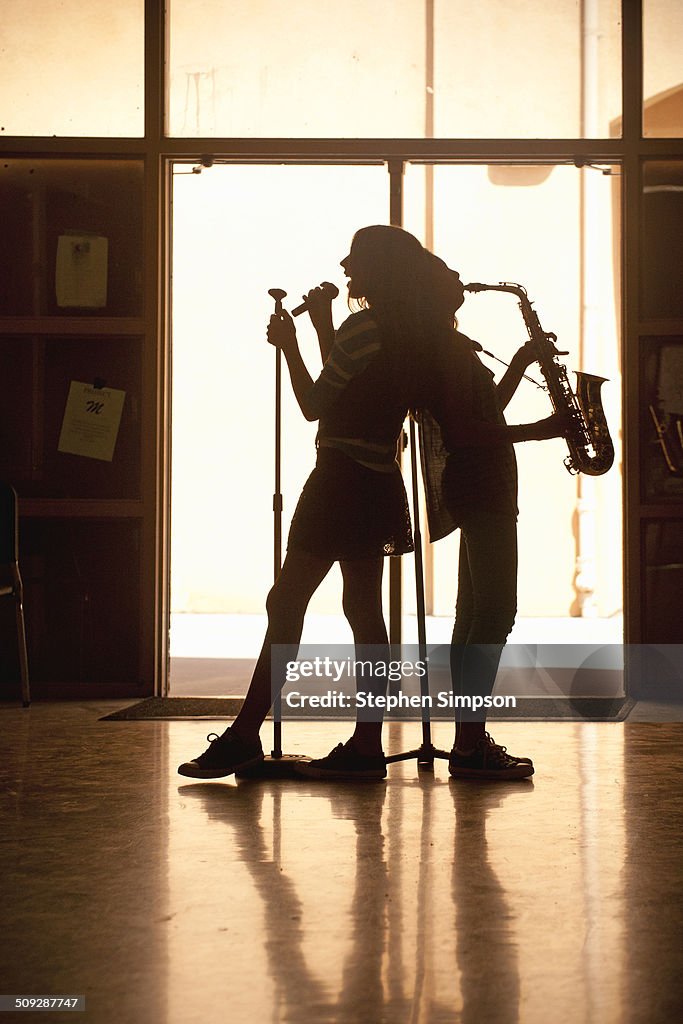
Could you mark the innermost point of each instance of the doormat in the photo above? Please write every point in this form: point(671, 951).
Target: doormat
point(177, 707)
point(529, 709)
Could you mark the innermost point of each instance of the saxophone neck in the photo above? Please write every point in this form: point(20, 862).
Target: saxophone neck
point(502, 286)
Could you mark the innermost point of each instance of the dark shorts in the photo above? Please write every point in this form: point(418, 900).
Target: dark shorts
point(347, 511)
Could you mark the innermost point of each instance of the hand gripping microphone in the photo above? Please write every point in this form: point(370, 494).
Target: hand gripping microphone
point(329, 290)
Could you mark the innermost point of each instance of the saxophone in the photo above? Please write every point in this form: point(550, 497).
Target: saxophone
point(590, 446)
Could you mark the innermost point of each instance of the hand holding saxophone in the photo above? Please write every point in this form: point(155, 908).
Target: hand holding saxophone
point(528, 354)
point(559, 424)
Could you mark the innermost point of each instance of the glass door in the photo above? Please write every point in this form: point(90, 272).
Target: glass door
point(239, 230)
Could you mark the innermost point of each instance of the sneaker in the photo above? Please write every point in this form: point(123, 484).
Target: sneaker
point(488, 760)
point(225, 755)
point(345, 764)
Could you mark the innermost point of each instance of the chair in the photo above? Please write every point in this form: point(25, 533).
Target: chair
point(10, 577)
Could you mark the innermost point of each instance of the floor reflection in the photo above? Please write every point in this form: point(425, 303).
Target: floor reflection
point(485, 923)
point(297, 989)
point(404, 944)
point(416, 901)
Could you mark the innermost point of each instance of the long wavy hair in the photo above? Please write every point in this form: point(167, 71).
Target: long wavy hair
point(398, 280)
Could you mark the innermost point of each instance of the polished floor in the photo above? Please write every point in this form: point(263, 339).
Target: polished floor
point(417, 900)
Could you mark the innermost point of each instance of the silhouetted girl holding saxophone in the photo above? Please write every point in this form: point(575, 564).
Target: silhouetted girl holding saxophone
point(470, 477)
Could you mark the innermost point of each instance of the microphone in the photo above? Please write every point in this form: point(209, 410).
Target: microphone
point(329, 290)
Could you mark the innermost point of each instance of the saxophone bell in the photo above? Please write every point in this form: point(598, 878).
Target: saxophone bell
point(591, 450)
point(595, 454)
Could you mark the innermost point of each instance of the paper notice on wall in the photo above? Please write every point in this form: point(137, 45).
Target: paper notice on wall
point(91, 421)
point(81, 274)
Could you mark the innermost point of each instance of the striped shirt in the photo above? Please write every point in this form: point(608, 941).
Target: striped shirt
point(342, 394)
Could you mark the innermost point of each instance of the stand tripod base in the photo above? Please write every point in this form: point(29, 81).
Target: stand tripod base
point(424, 755)
point(282, 767)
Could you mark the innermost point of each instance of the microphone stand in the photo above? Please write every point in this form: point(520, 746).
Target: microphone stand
point(426, 752)
point(277, 765)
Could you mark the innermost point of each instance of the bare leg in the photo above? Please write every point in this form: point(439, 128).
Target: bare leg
point(362, 602)
point(300, 577)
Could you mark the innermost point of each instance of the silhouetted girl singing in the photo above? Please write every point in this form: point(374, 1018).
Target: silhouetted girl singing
point(353, 508)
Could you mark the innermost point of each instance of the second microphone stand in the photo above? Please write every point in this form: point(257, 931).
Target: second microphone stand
point(426, 753)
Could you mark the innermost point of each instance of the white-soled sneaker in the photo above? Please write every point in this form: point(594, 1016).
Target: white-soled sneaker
point(489, 760)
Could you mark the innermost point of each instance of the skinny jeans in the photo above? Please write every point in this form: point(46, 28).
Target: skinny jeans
point(486, 604)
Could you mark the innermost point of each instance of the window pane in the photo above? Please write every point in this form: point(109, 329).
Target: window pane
point(663, 597)
point(377, 68)
point(49, 206)
point(661, 240)
point(313, 68)
point(663, 68)
point(37, 372)
point(72, 68)
point(520, 70)
point(661, 416)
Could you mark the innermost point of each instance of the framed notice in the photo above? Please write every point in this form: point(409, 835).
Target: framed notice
point(81, 272)
point(91, 421)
